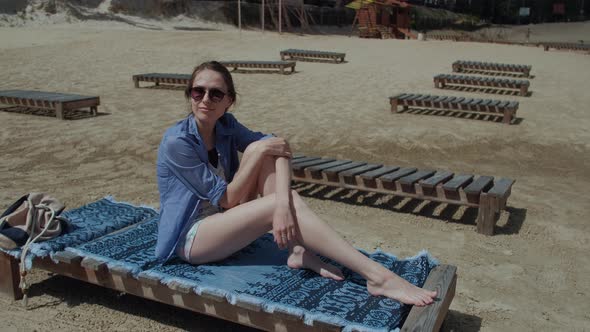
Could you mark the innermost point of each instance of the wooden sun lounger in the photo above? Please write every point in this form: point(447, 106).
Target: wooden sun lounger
point(507, 108)
point(446, 36)
point(281, 65)
point(60, 102)
point(441, 80)
point(295, 53)
point(157, 78)
point(442, 278)
point(487, 194)
point(459, 66)
point(566, 46)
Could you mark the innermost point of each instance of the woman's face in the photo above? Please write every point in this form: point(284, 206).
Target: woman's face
point(209, 99)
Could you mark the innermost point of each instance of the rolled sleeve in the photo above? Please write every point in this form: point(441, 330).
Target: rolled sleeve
point(180, 156)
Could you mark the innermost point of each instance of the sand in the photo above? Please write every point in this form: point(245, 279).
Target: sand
point(531, 275)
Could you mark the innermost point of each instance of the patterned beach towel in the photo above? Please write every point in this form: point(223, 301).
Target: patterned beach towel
point(258, 274)
point(87, 223)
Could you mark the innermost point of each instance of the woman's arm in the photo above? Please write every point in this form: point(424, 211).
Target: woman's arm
point(249, 168)
point(243, 179)
point(284, 228)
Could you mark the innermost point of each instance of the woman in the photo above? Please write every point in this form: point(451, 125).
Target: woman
point(212, 206)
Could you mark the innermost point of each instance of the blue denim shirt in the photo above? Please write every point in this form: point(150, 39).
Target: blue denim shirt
point(185, 179)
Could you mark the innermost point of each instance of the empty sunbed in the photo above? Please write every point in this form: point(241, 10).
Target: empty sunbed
point(506, 108)
point(447, 36)
point(442, 80)
point(60, 102)
point(281, 65)
point(459, 66)
point(157, 78)
point(566, 46)
point(487, 194)
point(310, 54)
point(253, 287)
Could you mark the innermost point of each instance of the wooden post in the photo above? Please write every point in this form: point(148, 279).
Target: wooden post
point(9, 277)
point(508, 114)
point(393, 105)
point(59, 110)
point(280, 17)
point(486, 215)
point(240, 16)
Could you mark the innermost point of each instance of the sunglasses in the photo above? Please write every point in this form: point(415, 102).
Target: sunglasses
point(198, 93)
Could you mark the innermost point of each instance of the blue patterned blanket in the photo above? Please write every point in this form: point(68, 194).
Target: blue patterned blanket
point(87, 223)
point(258, 274)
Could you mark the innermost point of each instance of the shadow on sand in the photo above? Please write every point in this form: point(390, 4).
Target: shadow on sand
point(497, 118)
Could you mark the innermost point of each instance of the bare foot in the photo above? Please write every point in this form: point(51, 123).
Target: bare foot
point(300, 258)
point(399, 289)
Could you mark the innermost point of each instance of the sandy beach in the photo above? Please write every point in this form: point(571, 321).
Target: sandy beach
point(531, 275)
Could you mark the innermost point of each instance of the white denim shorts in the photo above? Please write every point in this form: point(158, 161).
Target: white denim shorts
point(188, 234)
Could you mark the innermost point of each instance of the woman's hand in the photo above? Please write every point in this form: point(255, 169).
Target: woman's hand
point(274, 146)
point(283, 226)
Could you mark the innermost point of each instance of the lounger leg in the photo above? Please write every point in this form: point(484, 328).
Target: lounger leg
point(486, 216)
point(524, 90)
point(282, 57)
point(9, 277)
point(508, 115)
point(59, 111)
point(93, 110)
point(136, 82)
point(283, 70)
point(394, 106)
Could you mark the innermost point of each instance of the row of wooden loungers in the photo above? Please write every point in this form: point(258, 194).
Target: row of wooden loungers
point(459, 66)
point(310, 54)
point(566, 46)
point(166, 78)
point(489, 195)
point(280, 65)
point(506, 108)
point(442, 80)
point(59, 102)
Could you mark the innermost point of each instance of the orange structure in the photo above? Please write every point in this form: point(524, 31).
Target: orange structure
point(382, 18)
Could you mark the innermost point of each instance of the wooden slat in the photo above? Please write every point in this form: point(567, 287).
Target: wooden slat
point(429, 318)
point(93, 264)
point(303, 160)
point(301, 165)
point(440, 176)
point(480, 184)
point(501, 187)
point(67, 257)
point(179, 287)
point(457, 182)
point(319, 168)
point(342, 168)
point(349, 176)
point(397, 174)
point(415, 177)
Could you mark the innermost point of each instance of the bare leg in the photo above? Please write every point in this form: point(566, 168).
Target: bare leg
point(299, 257)
point(225, 233)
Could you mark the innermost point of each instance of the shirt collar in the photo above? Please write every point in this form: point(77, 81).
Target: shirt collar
point(221, 128)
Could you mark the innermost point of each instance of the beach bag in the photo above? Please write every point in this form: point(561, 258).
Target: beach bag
point(32, 218)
